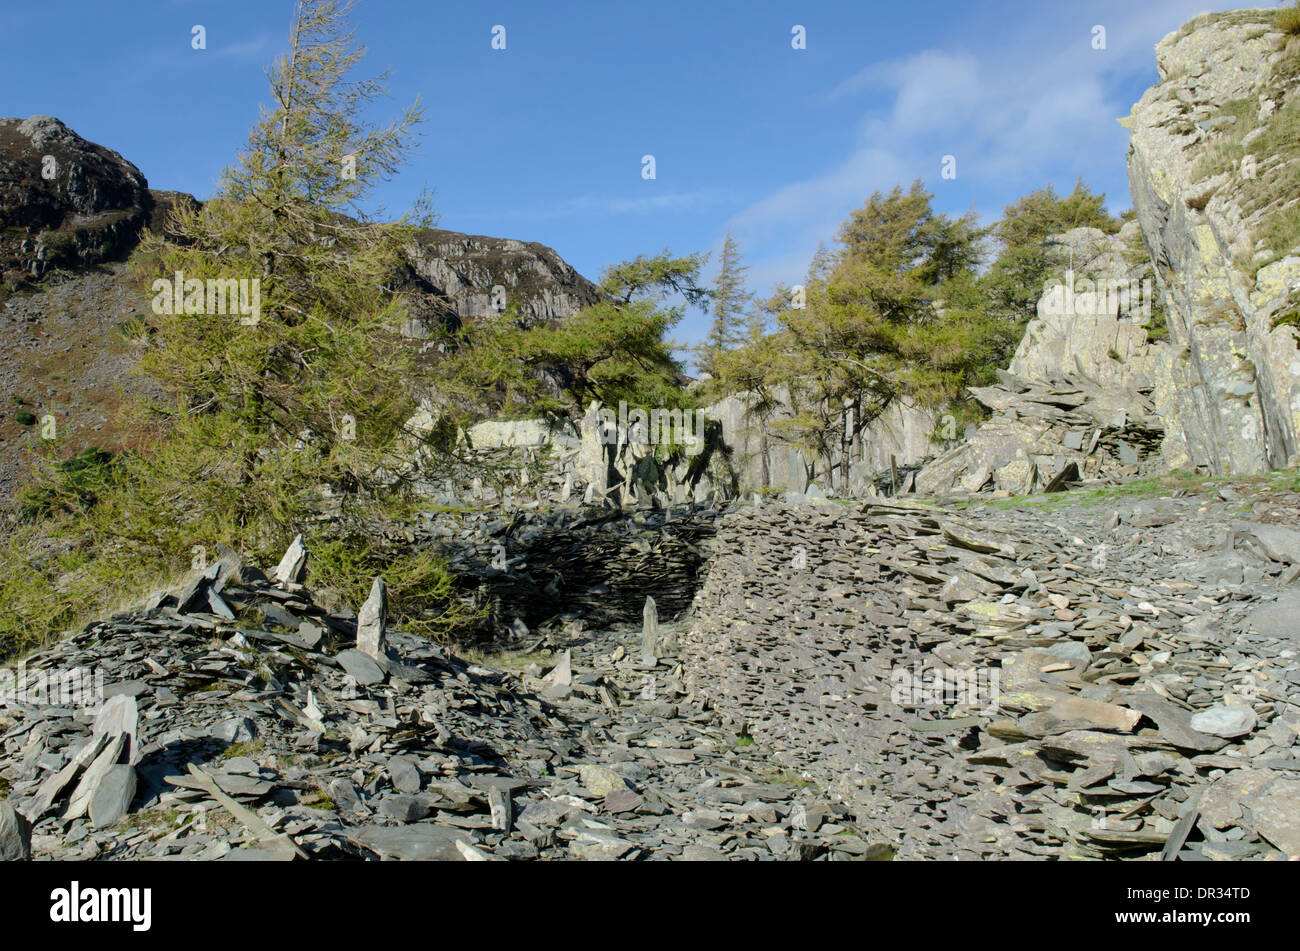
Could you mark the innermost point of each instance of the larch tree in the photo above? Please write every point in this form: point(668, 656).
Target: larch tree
point(728, 307)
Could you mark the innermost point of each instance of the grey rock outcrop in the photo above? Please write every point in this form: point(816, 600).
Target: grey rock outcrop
point(15, 835)
point(70, 203)
point(1208, 176)
point(461, 271)
point(737, 453)
point(1211, 369)
point(903, 434)
point(64, 201)
point(1078, 392)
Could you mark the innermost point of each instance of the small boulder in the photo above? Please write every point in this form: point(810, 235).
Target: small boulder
point(1226, 722)
point(15, 835)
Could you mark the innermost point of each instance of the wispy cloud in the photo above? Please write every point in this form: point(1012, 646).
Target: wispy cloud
point(180, 54)
point(257, 48)
point(592, 205)
point(1022, 102)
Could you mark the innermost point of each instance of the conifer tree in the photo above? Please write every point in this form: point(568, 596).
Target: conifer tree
point(293, 420)
point(728, 309)
point(324, 347)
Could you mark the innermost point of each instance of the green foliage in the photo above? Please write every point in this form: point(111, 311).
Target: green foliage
point(1035, 217)
point(898, 234)
point(1026, 261)
point(614, 350)
point(658, 276)
point(293, 423)
point(729, 301)
point(293, 401)
point(135, 328)
point(60, 247)
point(893, 313)
point(73, 484)
point(1288, 19)
point(899, 310)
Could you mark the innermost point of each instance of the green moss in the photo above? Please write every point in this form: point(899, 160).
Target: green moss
point(156, 823)
point(787, 777)
point(1290, 318)
point(1265, 175)
point(318, 800)
point(241, 749)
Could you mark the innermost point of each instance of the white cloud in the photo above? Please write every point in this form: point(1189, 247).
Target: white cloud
point(593, 205)
point(1021, 101)
point(257, 48)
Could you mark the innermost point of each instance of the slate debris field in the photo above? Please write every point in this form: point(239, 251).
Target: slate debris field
point(1147, 706)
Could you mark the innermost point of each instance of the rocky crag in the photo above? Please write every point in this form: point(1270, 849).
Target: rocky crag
point(72, 322)
point(1212, 174)
point(1212, 170)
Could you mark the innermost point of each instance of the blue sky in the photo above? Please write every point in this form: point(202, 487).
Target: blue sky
point(543, 141)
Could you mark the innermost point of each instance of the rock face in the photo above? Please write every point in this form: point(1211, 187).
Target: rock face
point(64, 201)
point(1211, 170)
point(1079, 390)
point(1212, 373)
point(739, 454)
point(70, 203)
point(903, 432)
point(462, 270)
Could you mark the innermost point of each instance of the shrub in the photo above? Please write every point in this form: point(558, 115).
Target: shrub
point(1288, 19)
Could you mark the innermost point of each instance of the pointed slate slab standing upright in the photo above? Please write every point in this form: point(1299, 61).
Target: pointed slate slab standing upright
point(112, 797)
point(371, 621)
point(503, 817)
point(15, 835)
point(120, 714)
point(561, 674)
point(293, 566)
point(79, 801)
point(649, 628)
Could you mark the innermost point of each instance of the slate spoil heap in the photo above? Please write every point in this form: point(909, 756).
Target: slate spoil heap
point(592, 562)
point(243, 720)
point(1042, 428)
point(1149, 699)
point(1146, 705)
